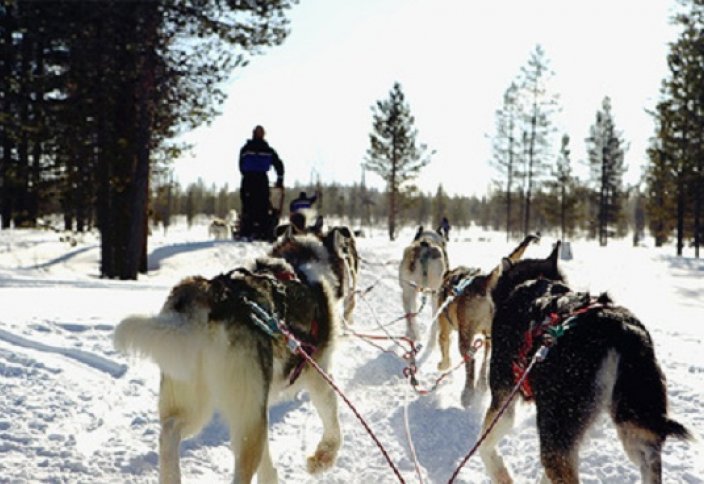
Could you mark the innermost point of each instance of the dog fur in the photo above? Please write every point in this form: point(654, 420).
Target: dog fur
point(606, 360)
point(333, 253)
point(213, 357)
point(422, 268)
point(470, 314)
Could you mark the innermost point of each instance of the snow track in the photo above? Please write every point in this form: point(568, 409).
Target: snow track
point(73, 410)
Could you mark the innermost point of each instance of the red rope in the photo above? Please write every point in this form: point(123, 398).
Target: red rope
point(299, 349)
point(539, 356)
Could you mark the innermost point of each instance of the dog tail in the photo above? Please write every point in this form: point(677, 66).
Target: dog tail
point(169, 339)
point(640, 392)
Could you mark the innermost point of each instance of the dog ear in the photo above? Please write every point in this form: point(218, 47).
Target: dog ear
point(317, 228)
point(493, 278)
point(506, 264)
point(418, 232)
point(554, 255)
point(280, 230)
point(345, 231)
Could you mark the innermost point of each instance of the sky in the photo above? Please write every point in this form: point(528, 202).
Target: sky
point(454, 60)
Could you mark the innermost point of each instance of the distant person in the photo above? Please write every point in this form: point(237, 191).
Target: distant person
point(444, 228)
point(302, 202)
point(256, 159)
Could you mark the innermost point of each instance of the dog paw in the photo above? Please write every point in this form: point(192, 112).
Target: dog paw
point(467, 397)
point(504, 477)
point(444, 365)
point(323, 459)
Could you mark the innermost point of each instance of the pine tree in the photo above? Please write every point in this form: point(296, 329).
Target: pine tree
point(440, 206)
point(606, 151)
point(394, 154)
point(505, 146)
point(539, 105)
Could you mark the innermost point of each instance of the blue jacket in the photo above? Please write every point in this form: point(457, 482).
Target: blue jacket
point(256, 156)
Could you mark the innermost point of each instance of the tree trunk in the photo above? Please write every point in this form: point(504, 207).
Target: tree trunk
point(145, 95)
point(531, 148)
point(509, 182)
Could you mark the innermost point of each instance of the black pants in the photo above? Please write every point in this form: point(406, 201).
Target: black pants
point(256, 207)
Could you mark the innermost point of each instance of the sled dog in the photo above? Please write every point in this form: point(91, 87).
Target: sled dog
point(334, 255)
point(220, 229)
point(601, 357)
point(215, 355)
point(470, 313)
point(422, 268)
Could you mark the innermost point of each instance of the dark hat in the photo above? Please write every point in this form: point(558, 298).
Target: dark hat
point(258, 131)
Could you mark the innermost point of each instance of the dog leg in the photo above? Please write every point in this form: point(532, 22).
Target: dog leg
point(350, 303)
point(248, 443)
point(560, 467)
point(493, 462)
point(644, 449)
point(183, 410)
point(325, 402)
point(169, 440)
point(266, 473)
point(444, 341)
point(465, 344)
point(409, 306)
point(482, 384)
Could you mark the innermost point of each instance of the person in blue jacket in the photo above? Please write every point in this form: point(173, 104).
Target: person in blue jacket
point(256, 159)
point(302, 202)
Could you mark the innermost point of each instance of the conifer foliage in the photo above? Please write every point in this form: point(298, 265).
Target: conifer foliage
point(606, 149)
point(394, 153)
point(92, 93)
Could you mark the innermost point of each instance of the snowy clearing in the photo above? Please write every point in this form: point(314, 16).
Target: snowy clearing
point(74, 410)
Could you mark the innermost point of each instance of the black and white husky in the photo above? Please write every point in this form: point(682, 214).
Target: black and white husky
point(333, 254)
point(602, 357)
point(215, 354)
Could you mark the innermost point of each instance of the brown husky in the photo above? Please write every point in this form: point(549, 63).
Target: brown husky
point(470, 314)
point(216, 352)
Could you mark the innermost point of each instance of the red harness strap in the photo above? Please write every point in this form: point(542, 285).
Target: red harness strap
point(286, 276)
point(520, 363)
point(309, 349)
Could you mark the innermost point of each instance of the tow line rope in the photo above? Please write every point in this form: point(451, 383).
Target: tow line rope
point(539, 356)
point(267, 322)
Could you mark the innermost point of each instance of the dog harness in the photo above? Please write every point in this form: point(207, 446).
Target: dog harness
point(549, 331)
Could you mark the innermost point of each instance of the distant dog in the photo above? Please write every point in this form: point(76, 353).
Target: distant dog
point(602, 357)
point(220, 229)
point(333, 254)
point(422, 268)
point(470, 313)
point(214, 355)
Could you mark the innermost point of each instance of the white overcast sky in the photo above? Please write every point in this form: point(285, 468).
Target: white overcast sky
point(454, 59)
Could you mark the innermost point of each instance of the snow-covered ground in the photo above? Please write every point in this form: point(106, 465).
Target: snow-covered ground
point(74, 410)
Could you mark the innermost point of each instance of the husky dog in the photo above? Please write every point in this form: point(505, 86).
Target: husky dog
point(602, 357)
point(470, 313)
point(333, 254)
point(301, 222)
point(422, 268)
point(215, 354)
point(220, 229)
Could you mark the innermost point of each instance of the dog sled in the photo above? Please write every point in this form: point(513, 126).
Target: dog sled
point(262, 229)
